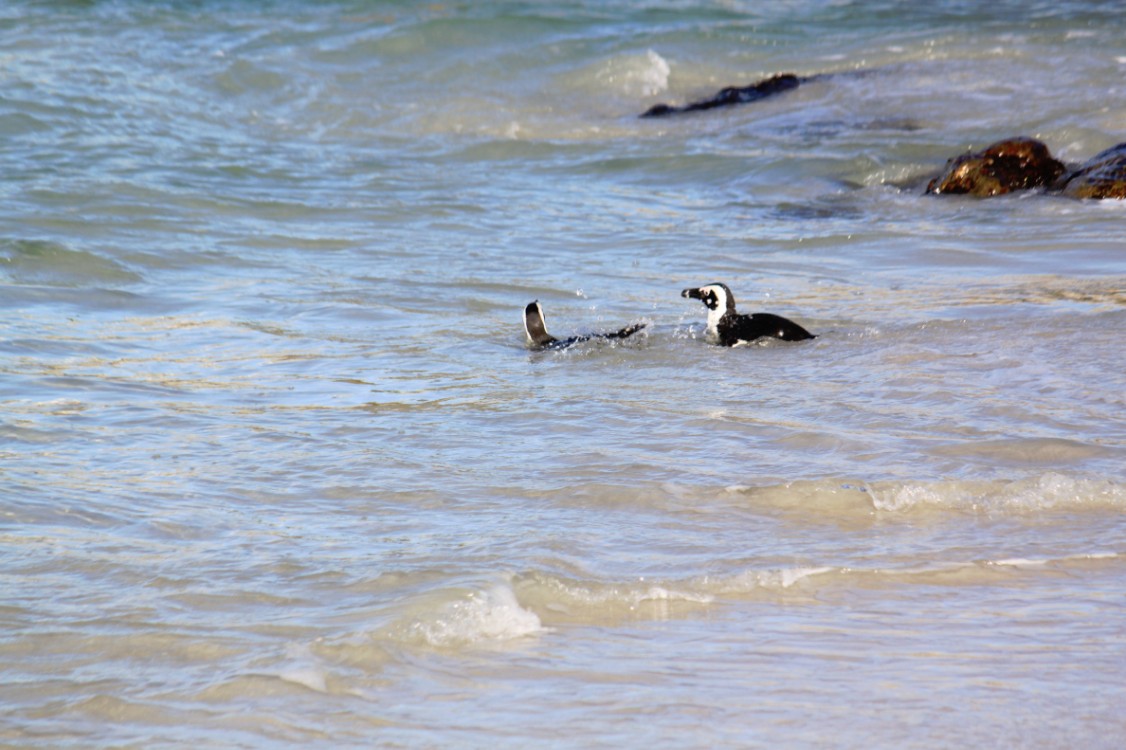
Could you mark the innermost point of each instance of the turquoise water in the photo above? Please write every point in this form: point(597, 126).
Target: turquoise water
point(276, 468)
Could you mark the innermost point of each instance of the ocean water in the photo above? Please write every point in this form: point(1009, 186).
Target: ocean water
point(277, 469)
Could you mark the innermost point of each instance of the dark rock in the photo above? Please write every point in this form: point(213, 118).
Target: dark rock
point(733, 95)
point(1006, 166)
point(1104, 176)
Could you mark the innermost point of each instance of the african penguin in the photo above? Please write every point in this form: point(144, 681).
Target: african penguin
point(728, 328)
point(538, 338)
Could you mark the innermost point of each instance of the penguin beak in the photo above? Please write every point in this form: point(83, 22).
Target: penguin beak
point(691, 293)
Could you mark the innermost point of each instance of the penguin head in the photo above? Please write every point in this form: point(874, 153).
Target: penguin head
point(716, 297)
point(535, 327)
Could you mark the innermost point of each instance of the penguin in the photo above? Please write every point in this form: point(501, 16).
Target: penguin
point(733, 95)
point(728, 328)
point(535, 329)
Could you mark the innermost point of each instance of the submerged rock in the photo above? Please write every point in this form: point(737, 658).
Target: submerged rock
point(732, 95)
point(1003, 167)
point(1007, 166)
point(1103, 176)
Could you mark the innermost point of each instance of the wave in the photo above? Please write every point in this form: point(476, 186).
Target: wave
point(494, 613)
point(458, 618)
point(45, 263)
point(1048, 492)
point(659, 600)
point(500, 613)
point(557, 600)
point(560, 599)
point(848, 499)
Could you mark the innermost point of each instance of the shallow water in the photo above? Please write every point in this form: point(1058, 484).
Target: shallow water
point(276, 468)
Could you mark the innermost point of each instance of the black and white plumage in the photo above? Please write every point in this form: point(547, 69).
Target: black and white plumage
point(728, 328)
point(535, 329)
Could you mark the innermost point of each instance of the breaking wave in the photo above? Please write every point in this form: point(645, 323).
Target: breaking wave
point(491, 614)
point(556, 600)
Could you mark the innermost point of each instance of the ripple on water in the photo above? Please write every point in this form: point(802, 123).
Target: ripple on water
point(43, 263)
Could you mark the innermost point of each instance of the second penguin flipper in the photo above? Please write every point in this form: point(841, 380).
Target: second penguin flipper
point(535, 331)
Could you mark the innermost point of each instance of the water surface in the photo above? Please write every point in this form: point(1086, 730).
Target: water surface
point(276, 468)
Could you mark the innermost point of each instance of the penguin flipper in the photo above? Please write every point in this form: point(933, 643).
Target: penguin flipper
point(624, 332)
point(535, 327)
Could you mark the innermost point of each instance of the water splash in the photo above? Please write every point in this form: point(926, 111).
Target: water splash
point(492, 614)
point(636, 75)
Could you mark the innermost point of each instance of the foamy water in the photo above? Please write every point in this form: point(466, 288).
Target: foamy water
point(277, 470)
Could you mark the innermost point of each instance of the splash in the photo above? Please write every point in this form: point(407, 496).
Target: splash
point(636, 75)
point(493, 614)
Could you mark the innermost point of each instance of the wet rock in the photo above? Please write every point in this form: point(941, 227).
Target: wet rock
point(732, 95)
point(1104, 176)
point(1003, 167)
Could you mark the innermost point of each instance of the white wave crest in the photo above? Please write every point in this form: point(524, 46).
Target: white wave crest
point(591, 601)
point(561, 594)
point(1047, 492)
point(304, 668)
point(750, 581)
point(493, 614)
